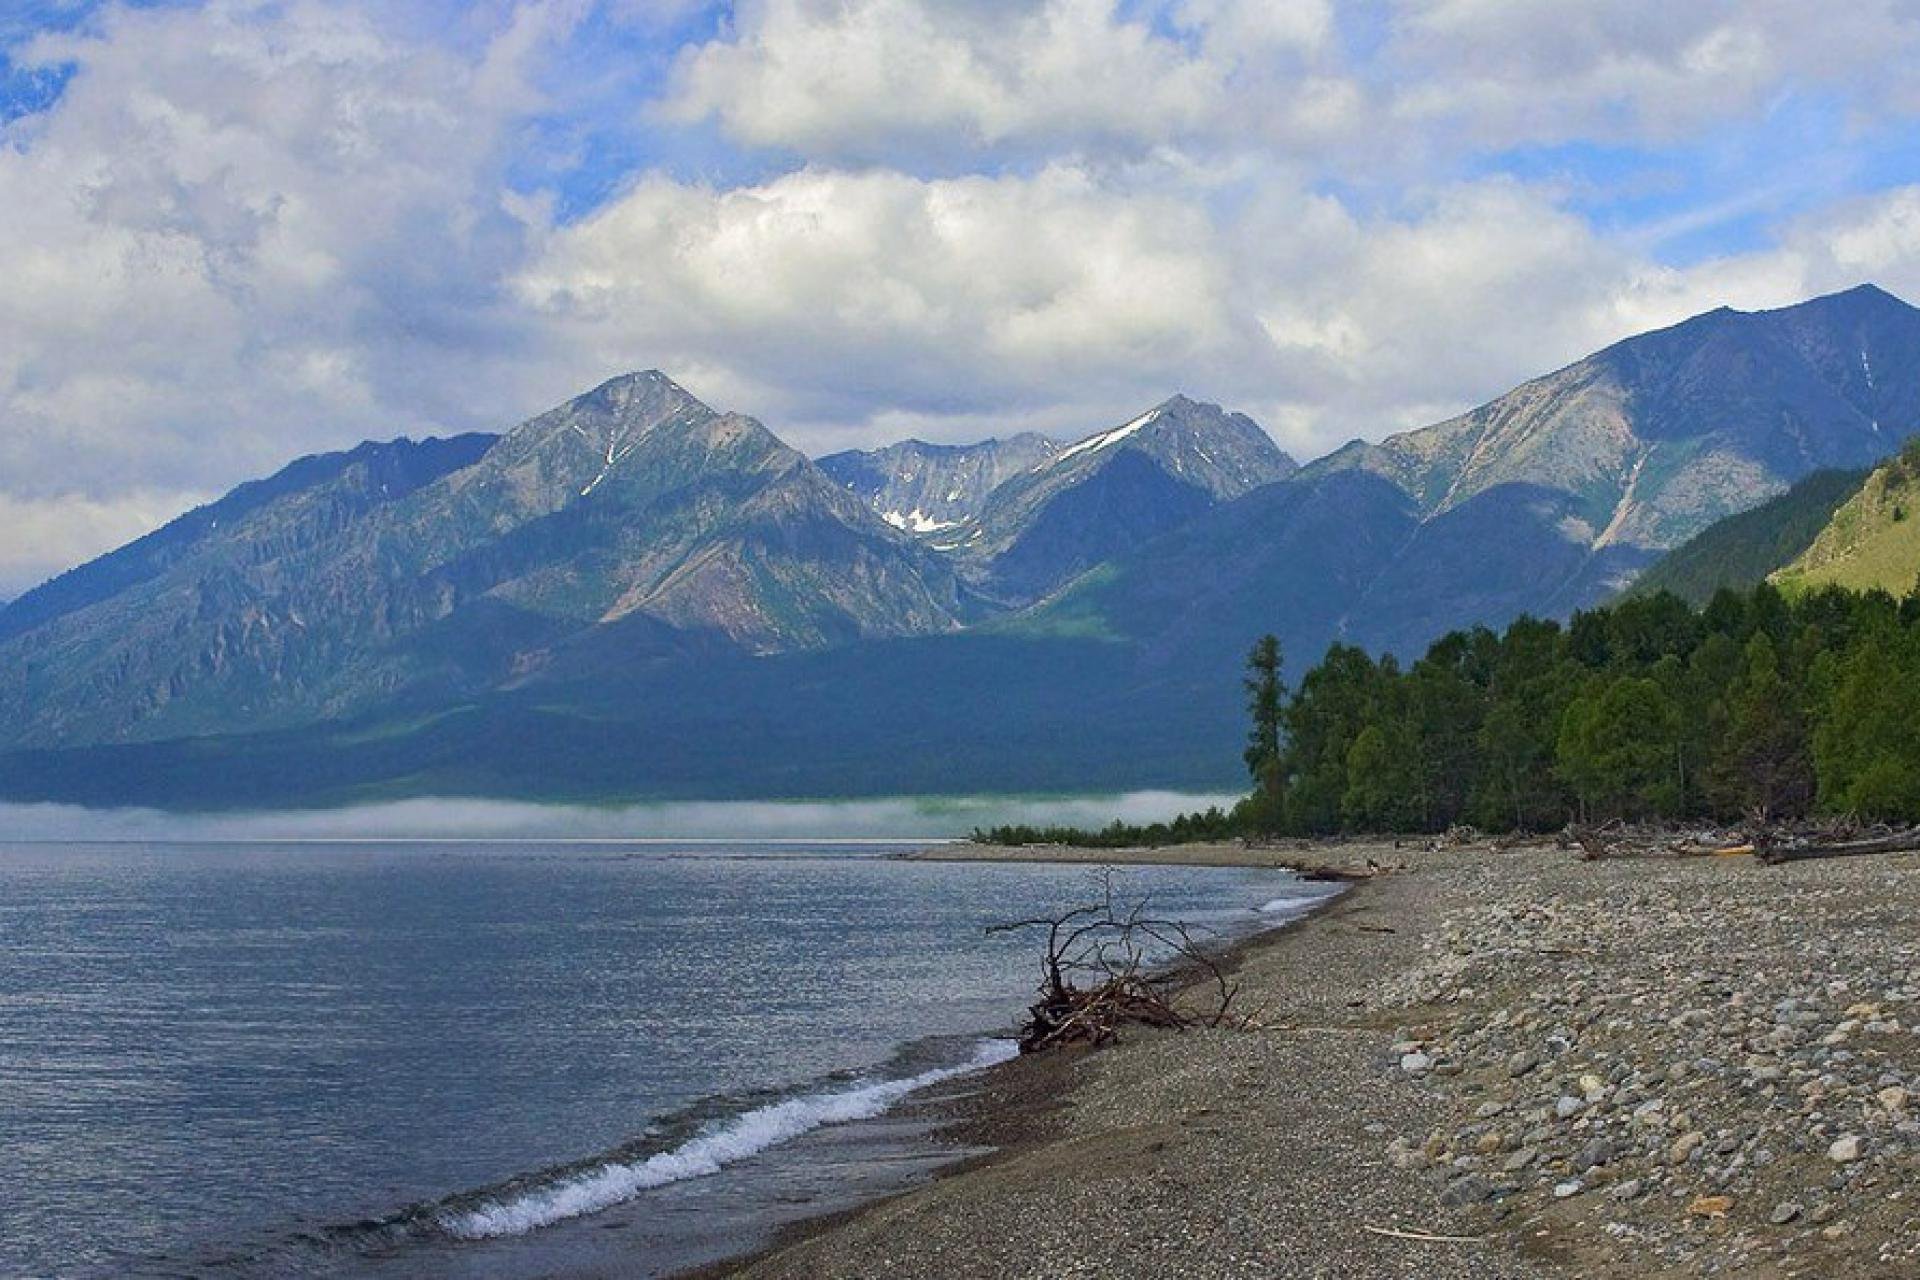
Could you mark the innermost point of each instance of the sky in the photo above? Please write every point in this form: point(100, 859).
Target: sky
point(237, 231)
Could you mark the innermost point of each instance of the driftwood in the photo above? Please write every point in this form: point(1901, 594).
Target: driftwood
point(1109, 966)
point(1768, 842)
point(1617, 840)
point(1900, 842)
point(1426, 1237)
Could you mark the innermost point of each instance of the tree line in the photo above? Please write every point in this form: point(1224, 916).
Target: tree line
point(1757, 705)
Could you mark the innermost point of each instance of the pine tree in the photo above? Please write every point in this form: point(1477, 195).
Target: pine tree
point(1764, 766)
point(1264, 811)
point(1264, 694)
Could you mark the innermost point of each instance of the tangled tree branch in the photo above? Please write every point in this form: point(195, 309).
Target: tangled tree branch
point(1108, 965)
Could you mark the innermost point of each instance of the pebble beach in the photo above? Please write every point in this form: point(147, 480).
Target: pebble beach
point(1482, 1063)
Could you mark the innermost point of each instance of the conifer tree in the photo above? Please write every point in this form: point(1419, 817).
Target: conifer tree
point(1764, 766)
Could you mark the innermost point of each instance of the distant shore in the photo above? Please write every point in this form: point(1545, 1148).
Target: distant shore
point(1317, 860)
point(1486, 1064)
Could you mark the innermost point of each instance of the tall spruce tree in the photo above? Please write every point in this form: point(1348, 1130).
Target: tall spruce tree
point(1265, 809)
point(1264, 696)
point(1764, 767)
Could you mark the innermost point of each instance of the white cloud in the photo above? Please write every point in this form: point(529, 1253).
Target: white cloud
point(877, 78)
point(885, 79)
point(826, 291)
point(1493, 72)
point(39, 537)
point(249, 230)
point(849, 306)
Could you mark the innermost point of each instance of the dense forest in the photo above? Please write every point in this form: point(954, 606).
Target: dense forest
point(1758, 705)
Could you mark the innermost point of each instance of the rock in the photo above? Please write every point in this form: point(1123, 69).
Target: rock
point(1568, 1107)
point(1567, 1190)
point(1783, 1213)
point(1893, 1098)
point(1464, 1192)
point(1628, 1190)
point(1522, 1062)
point(1593, 1155)
point(1416, 1063)
point(1521, 1159)
point(1711, 1207)
point(1684, 1147)
point(1845, 1149)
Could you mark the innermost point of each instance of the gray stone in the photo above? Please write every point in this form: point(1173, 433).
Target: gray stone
point(1464, 1192)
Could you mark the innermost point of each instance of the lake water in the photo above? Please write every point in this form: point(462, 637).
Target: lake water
point(492, 1059)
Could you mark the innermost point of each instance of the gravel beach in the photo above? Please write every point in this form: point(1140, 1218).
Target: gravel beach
point(1704, 1067)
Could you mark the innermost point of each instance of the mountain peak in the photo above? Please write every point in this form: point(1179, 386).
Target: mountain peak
point(644, 388)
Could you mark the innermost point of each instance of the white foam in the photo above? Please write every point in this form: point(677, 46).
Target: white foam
point(745, 1135)
point(1281, 906)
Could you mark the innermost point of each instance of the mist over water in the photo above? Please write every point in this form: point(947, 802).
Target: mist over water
point(906, 818)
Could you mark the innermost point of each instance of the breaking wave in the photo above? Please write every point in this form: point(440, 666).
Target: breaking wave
point(748, 1134)
point(1292, 906)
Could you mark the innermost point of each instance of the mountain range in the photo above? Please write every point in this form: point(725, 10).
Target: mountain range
point(635, 595)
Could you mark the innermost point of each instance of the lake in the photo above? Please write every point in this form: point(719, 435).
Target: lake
point(485, 1058)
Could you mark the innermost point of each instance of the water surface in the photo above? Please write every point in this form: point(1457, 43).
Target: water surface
point(261, 1059)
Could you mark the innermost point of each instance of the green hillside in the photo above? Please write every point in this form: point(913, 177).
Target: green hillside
point(1873, 539)
point(1743, 550)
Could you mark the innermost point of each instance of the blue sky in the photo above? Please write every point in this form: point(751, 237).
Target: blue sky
point(240, 230)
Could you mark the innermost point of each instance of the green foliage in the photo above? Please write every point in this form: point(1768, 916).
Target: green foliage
point(1617, 749)
point(1867, 745)
point(1264, 692)
point(1743, 549)
point(1765, 766)
point(1214, 824)
point(1645, 709)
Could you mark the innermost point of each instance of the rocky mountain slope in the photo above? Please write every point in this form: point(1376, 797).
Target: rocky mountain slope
point(1658, 436)
point(637, 596)
point(1547, 499)
point(930, 488)
point(631, 523)
point(339, 487)
point(1872, 540)
point(1109, 493)
point(1740, 551)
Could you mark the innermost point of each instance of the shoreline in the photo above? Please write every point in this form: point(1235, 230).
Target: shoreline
point(1393, 1113)
point(1007, 1110)
point(1312, 860)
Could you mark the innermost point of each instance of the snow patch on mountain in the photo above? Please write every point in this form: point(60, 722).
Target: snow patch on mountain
point(1094, 444)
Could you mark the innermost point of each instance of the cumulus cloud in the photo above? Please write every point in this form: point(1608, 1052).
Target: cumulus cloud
point(847, 305)
point(868, 79)
point(1504, 71)
point(828, 291)
point(249, 230)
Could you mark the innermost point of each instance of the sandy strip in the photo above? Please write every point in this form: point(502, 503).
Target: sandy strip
point(1355, 860)
point(1721, 1032)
